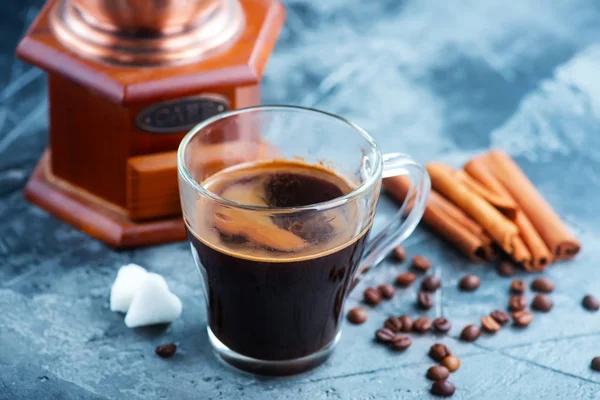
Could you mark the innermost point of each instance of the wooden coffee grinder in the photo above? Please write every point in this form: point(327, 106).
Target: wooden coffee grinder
point(126, 80)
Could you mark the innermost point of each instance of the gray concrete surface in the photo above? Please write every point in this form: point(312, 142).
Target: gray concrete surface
point(438, 80)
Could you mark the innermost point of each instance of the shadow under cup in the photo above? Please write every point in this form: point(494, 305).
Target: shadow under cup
point(278, 203)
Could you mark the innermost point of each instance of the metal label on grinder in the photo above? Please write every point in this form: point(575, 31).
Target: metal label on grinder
point(180, 114)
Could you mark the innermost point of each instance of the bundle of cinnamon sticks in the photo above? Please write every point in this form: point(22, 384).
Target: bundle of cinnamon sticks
point(490, 207)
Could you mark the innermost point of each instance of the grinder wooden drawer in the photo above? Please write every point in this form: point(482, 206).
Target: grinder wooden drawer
point(152, 189)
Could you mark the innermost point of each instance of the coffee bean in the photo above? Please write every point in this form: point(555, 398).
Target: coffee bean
point(393, 324)
point(442, 388)
point(405, 279)
point(543, 285)
point(399, 253)
point(407, 323)
point(386, 291)
point(469, 283)
point(500, 316)
point(357, 315)
point(517, 302)
point(590, 303)
point(372, 296)
point(489, 324)
point(384, 335)
point(542, 303)
point(451, 362)
point(470, 333)
point(438, 373)
point(595, 365)
point(422, 325)
point(442, 325)
point(506, 268)
point(522, 318)
point(166, 350)
point(518, 286)
point(401, 342)
point(424, 300)
point(421, 263)
point(430, 283)
point(439, 351)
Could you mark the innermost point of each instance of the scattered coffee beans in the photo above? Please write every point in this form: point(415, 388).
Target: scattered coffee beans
point(451, 362)
point(421, 263)
point(442, 388)
point(518, 286)
point(439, 351)
point(372, 296)
point(386, 291)
point(407, 323)
point(393, 324)
point(405, 279)
point(517, 302)
point(489, 324)
point(422, 325)
point(384, 335)
point(430, 283)
point(357, 315)
point(470, 333)
point(166, 350)
point(522, 318)
point(438, 373)
point(595, 365)
point(590, 303)
point(469, 283)
point(442, 325)
point(542, 303)
point(500, 316)
point(399, 253)
point(424, 300)
point(543, 285)
point(401, 342)
point(506, 268)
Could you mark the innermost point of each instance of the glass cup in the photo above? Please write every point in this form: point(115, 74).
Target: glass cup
point(276, 276)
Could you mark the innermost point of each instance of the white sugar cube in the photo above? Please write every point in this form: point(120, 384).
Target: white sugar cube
point(126, 284)
point(153, 303)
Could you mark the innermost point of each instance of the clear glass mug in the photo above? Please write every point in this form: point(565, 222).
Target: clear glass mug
point(276, 277)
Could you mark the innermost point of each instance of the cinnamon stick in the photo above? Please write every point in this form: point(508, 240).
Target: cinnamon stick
point(448, 221)
point(457, 214)
point(477, 168)
point(521, 254)
point(541, 256)
point(442, 208)
point(501, 229)
point(506, 205)
point(547, 223)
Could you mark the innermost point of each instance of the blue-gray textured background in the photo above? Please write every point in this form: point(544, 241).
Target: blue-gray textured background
point(439, 80)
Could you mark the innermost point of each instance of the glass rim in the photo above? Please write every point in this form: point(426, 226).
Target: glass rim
point(338, 201)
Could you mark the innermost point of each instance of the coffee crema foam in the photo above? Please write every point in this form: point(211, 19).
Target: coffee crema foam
point(277, 236)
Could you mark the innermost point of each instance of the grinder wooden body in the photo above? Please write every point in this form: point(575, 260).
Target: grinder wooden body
point(110, 169)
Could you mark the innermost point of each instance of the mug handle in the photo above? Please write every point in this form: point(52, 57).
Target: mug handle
point(401, 226)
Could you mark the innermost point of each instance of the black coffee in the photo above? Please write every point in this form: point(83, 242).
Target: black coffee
point(276, 284)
